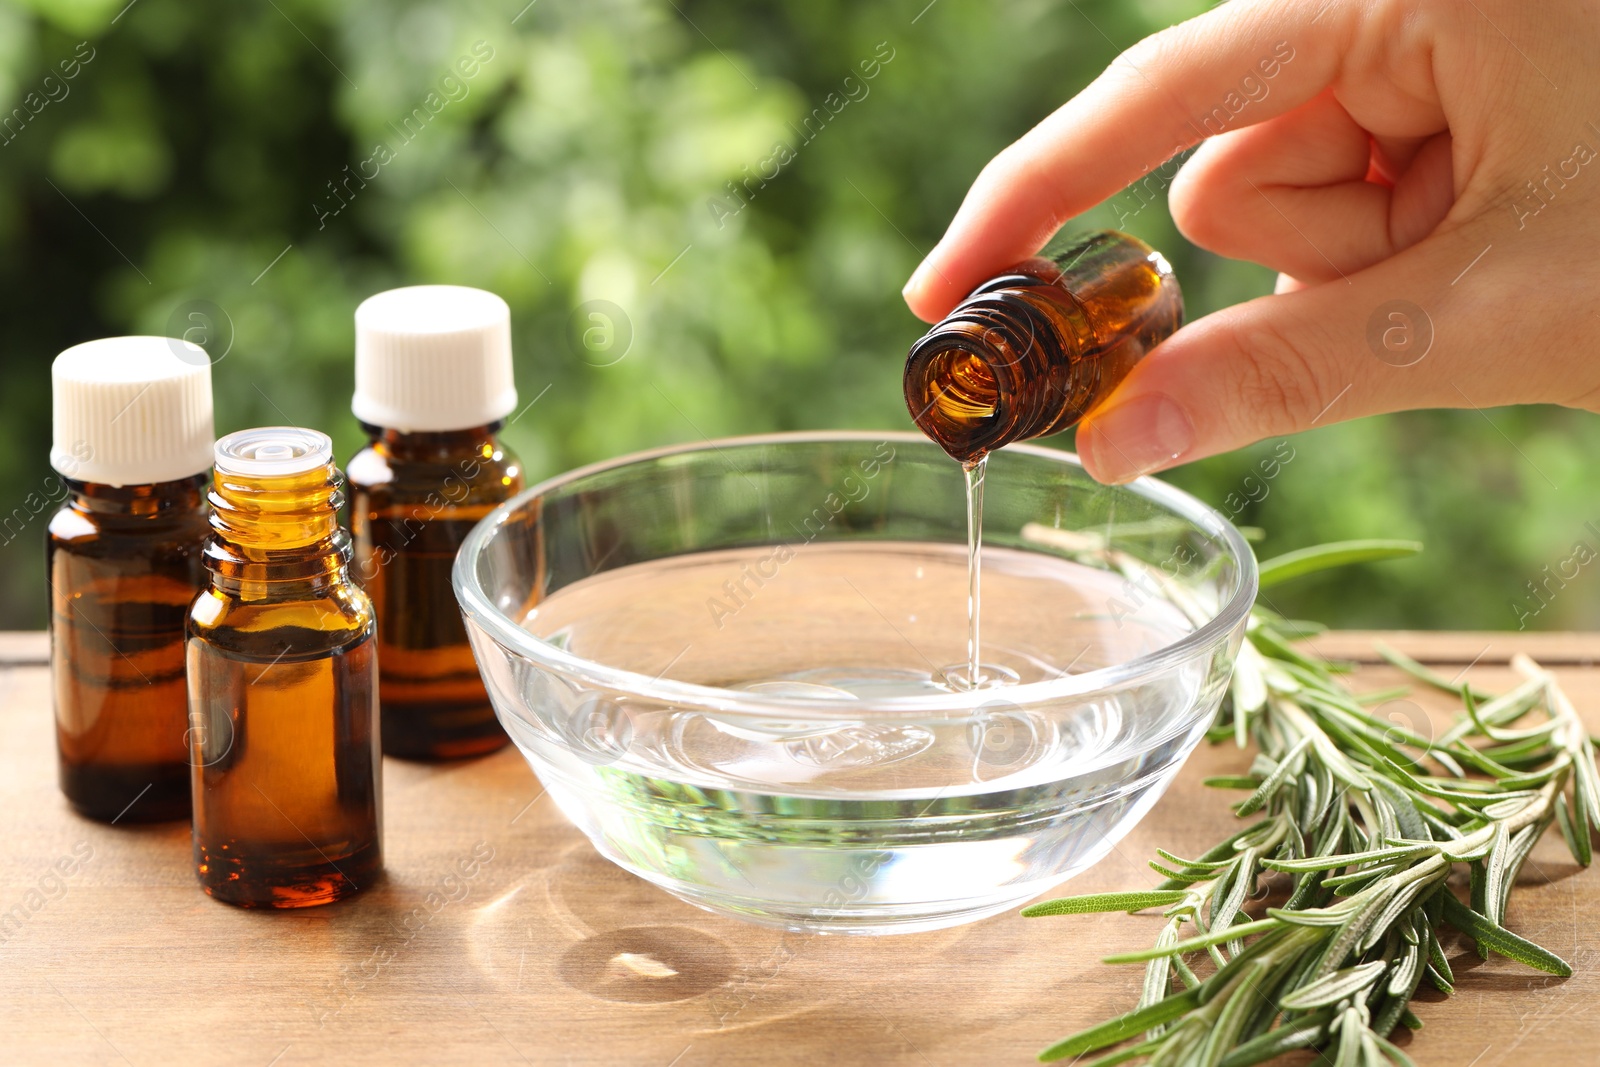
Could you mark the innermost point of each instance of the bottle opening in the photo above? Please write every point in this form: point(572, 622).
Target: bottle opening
point(967, 391)
point(957, 401)
point(273, 450)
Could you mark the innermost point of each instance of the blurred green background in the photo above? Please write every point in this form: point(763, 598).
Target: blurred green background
point(192, 176)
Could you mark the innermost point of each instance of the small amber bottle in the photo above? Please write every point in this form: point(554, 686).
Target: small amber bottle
point(283, 677)
point(132, 439)
point(1032, 350)
point(433, 387)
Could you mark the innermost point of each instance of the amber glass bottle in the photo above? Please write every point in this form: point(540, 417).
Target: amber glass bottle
point(433, 384)
point(282, 684)
point(413, 499)
point(1032, 350)
point(132, 441)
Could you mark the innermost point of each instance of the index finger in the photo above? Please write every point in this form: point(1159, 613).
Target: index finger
point(1236, 65)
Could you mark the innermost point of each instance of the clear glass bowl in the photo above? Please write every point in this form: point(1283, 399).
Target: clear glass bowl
point(729, 664)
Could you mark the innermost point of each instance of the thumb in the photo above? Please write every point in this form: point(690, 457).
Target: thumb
point(1400, 334)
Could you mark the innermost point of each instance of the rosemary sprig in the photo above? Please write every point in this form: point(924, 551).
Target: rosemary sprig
point(1361, 823)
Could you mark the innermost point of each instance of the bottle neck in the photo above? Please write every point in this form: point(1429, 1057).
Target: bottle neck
point(155, 501)
point(434, 446)
point(277, 536)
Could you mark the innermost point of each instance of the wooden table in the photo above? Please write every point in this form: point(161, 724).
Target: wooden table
point(125, 961)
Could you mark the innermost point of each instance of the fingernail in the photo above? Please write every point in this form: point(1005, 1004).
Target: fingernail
point(913, 285)
point(919, 277)
point(1134, 438)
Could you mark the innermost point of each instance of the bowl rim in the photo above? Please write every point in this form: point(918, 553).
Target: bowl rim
point(480, 610)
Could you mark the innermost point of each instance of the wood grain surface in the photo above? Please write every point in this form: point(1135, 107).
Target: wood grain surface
point(499, 937)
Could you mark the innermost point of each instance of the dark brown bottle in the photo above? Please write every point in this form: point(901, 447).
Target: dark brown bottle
point(283, 684)
point(414, 497)
point(132, 441)
point(1032, 350)
point(433, 387)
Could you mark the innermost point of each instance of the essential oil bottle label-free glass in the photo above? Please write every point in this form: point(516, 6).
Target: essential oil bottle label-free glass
point(1035, 348)
point(433, 386)
point(132, 435)
point(283, 680)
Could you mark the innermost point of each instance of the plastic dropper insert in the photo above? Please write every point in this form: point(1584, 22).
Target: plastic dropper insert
point(282, 684)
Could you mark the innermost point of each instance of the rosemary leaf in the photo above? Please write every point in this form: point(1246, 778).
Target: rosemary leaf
point(1503, 941)
point(1336, 987)
point(1301, 1032)
point(1336, 554)
point(1575, 831)
point(1290, 764)
point(1231, 781)
point(1350, 859)
point(1155, 898)
point(1121, 1028)
point(1421, 673)
point(1215, 937)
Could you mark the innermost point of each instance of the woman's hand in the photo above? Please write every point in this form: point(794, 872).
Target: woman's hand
point(1425, 174)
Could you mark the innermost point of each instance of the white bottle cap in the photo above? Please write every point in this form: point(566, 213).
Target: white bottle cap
point(433, 357)
point(269, 451)
point(131, 411)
